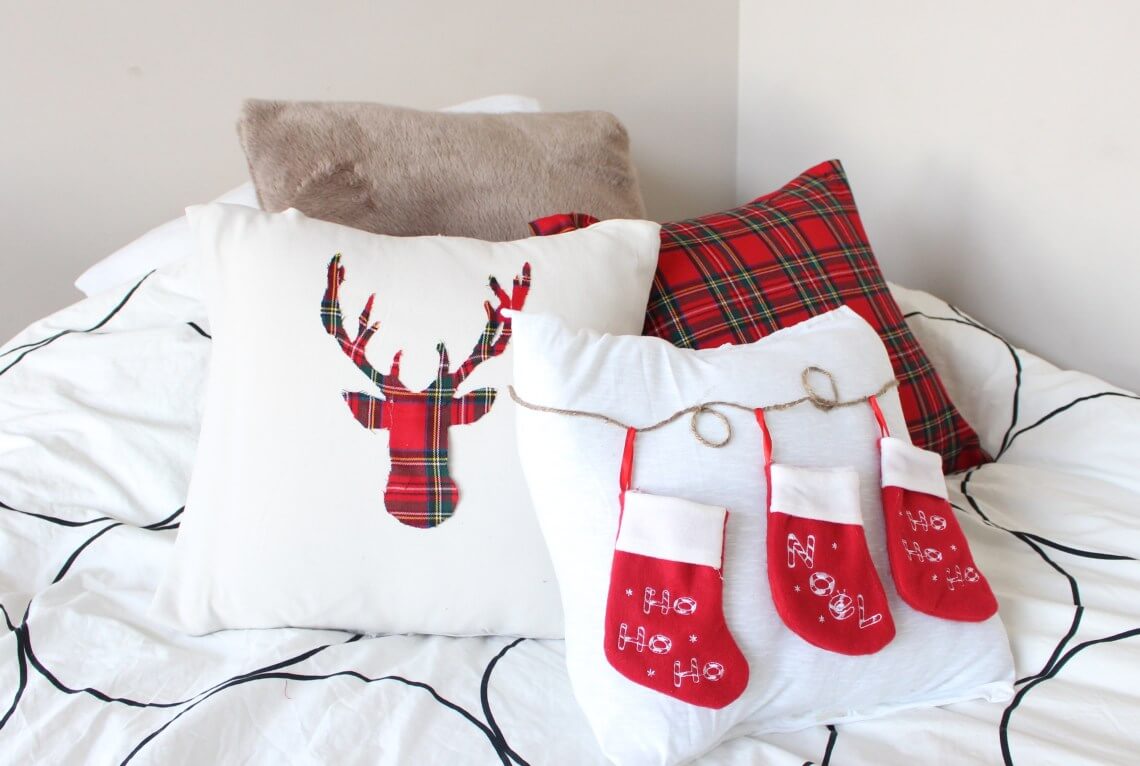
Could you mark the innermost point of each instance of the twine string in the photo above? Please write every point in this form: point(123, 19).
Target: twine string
point(811, 396)
point(704, 409)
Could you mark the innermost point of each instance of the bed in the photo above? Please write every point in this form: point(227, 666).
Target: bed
point(99, 408)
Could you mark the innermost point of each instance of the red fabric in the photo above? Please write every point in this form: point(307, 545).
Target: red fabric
point(931, 563)
point(736, 276)
point(824, 584)
point(420, 491)
point(878, 412)
point(823, 581)
point(665, 626)
point(626, 476)
point(561, 222)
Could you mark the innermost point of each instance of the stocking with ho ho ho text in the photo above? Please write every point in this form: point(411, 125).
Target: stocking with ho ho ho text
point(664, 625)
point(930, 557)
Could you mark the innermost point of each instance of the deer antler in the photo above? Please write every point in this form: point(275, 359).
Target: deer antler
point(334, 324)
point(489, 345)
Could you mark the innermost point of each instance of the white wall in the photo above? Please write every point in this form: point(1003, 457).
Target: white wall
point(994, 150)
point(115, 115)
point(993, 147)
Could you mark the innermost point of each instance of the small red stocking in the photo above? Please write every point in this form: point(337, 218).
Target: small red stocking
point(665, 626)
point(931, 563)
point(823, 580)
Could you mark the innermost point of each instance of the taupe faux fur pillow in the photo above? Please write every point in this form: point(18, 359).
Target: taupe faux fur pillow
point(401, 171)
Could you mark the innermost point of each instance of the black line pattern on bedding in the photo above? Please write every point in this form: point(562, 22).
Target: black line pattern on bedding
point(490, 729)
point(832, 738)
point(157, 526)
point(1035, 537)
point(339, 674)
point(75, 554)
point(1059, 656)
point(485, 702)
point(1078, 551)
point(25, 655)
point(55, 519)
point(200, 331)
point(104, 697)
point(1073, 586)
point(37, 345)
point(1053, 671)
point(964, 319)
point(1070, 405)
point(497, 740)
point(829, 746)
point(22, 666)
point(167, 523)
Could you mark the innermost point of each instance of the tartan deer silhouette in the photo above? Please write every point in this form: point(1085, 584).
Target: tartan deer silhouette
point(420, 491)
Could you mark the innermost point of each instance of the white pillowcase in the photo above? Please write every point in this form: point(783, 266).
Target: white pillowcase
point(499, 104)
point(172, 241)
point(287, 521)
point(571, 465)
point(160, 246)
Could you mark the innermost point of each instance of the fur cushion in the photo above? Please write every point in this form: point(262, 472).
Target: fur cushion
point(401, 171)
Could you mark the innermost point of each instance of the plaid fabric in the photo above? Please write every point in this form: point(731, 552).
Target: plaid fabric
point(556, 224)
point(420, 491)
point(736, 276)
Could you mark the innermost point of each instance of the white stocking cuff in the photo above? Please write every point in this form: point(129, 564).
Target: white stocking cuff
point(672, 528)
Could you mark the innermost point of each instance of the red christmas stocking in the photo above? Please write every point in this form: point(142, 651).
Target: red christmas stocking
point(931, 563)
point(823, 581)
point(665, 625)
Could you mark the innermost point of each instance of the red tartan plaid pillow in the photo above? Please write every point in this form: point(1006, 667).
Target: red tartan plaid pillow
point(736, 276)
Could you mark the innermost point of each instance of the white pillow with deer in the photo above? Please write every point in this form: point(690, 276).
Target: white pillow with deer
point(357, 466)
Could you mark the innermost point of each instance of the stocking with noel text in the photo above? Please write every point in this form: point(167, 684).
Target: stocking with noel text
point(931, 563)
point(664, 625)
point(823, 580)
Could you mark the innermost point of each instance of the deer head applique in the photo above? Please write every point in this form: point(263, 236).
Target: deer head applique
point(420, 490)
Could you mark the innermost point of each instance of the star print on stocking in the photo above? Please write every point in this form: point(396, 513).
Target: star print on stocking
point(664, 625)
point(930, 557)
point(823, 581)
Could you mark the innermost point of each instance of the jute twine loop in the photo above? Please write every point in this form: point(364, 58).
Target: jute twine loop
point(704, 409)
point(811, 396)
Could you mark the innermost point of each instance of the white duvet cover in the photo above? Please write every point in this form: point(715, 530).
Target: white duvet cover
point(99, 407)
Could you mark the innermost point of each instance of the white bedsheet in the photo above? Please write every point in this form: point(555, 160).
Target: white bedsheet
point(99, 406)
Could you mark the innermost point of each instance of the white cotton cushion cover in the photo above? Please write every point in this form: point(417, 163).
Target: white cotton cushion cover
point(572, 464)
point(285, 522)
point(172, 241)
